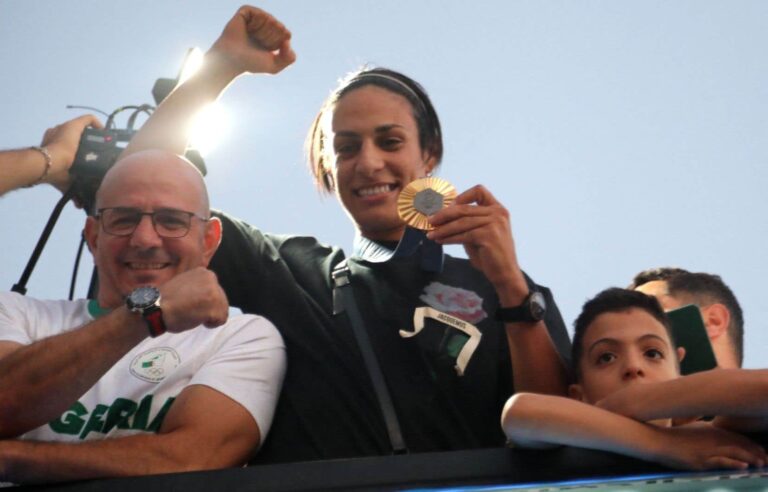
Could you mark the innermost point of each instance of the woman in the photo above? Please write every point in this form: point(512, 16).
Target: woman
point(376, 133)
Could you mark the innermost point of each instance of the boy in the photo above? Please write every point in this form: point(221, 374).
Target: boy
point(628, 391)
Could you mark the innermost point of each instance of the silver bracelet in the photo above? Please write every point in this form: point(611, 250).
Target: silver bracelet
point(48, 163)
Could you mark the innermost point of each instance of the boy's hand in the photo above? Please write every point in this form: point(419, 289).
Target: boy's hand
point(704, 447)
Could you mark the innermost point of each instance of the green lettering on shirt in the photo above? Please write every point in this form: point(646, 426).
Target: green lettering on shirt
point(95, 421)
point(104, 418)
point(119, 414)
point(141, 417)
point(158, 420)
point(70, 421)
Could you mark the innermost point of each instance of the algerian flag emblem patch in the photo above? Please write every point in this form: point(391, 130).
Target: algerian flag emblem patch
point(155, 364)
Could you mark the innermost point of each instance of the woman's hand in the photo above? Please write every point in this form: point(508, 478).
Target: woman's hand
point(481, 224)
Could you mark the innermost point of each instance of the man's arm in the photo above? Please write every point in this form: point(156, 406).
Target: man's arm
point(537, 421)
point(481, 224)
point(739, 397)
point(252, 41)
point(26, 167)
point(189, 439)
point(41, 380)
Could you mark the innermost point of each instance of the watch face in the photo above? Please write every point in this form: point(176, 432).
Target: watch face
point(538, 305)
point(143, 297)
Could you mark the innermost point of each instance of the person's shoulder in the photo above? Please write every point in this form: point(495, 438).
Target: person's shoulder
point(231, 224)
point(287, 245)
point(14, 299)
point(303, 244)
point(254, 327)
point(38, 318)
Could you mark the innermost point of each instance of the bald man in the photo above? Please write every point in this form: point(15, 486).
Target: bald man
point(127, 383)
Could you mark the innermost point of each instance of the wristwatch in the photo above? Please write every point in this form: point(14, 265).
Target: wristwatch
point(146, 301)
point(533, 308)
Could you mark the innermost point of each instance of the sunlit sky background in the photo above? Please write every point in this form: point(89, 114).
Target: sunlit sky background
point(620, 135)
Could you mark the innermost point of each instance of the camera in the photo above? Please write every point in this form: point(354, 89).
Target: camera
point(97, 152)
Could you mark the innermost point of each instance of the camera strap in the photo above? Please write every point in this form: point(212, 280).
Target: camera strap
point(344, 301)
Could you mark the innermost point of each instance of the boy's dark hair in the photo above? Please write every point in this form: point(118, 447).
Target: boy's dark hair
point(701, 289)
point(613, 300)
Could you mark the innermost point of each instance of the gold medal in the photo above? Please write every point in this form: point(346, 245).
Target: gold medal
point(422, 198)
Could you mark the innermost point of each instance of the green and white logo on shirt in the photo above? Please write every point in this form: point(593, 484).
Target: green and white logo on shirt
point(155, 364)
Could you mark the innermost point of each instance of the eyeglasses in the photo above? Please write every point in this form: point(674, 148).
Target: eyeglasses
point(168, 222)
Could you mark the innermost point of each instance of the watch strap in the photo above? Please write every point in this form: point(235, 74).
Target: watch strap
point(521, 313)
point(154, 318)
point(513, 314)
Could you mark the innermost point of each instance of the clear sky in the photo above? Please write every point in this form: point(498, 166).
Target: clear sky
point(620, 135)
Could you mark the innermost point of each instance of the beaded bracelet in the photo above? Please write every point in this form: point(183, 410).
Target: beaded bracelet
point(48, 162)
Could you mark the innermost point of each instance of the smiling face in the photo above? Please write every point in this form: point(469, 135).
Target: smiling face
point(622, 348)
point(376, 153)
point(149, 181)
